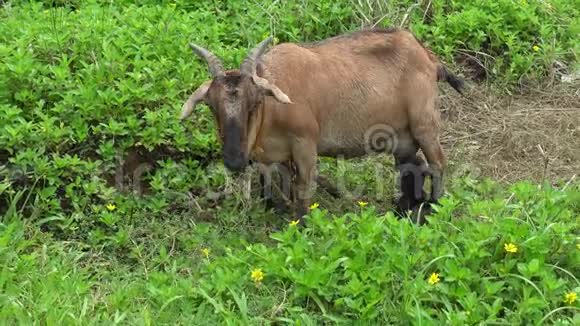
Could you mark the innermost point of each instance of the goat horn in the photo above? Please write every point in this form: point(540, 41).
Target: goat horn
point(248, 67)
point(215, 64)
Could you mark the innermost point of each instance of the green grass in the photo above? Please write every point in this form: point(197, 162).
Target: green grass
point(359, 265)
point(85, 83)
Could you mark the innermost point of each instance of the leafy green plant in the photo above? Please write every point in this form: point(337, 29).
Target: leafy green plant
point(481, 259)
point(111, 209)
point(510, 40)
point(88, 84)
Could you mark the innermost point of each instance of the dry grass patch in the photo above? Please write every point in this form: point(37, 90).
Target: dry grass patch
point(533, 136)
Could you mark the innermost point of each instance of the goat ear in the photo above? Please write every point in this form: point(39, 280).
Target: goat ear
point(271, 89)
point(194, 99)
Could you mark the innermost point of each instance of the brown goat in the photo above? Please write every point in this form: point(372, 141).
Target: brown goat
point(367, 91)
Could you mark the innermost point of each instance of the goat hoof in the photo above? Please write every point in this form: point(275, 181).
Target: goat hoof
point(420, 213)
point(299, 215)
point(281, 208)
point(416, 212)
point(278, 207)
point(268, 203)
point(403, 205)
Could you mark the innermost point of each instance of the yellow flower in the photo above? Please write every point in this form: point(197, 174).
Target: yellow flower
point(536, 48)
point(294, 223)
point(111, 207)
point(570, 297)
point(510, 247)
point(434, 278)
point(257, 275)
point(205, 252)
point(362, 203)
point(315, 205)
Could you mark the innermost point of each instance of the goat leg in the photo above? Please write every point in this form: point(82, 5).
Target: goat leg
point(411, 182)
point(304, 156)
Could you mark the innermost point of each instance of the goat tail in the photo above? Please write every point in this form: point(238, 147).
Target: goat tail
point(457, 83)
